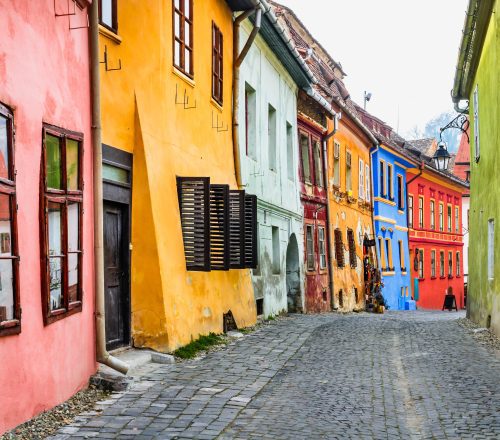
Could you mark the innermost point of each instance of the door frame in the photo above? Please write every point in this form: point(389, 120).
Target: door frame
point(121, 193)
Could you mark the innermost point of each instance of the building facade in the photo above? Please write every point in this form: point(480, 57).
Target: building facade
point(168, 155)
point(46, 208)
point(477, 81)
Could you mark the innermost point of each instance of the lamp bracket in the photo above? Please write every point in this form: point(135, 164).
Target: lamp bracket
point(460, 122)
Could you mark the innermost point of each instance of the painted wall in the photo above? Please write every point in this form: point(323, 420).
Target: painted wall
point(143, 113)
point(44, 77)
point(432, 186)
point(349, 212)
point(483, 299)
point(390, 223)
point(278, 195)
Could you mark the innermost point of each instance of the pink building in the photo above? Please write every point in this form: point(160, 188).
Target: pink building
point(47, 352)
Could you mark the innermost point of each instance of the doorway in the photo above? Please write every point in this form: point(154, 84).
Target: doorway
point(294, 297)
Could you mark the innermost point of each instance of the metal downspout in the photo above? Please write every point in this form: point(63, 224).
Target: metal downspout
point(102, 354)
point(237, 60)
point(373, 202)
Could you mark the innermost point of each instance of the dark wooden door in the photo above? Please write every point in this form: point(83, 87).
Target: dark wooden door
point(116, 275)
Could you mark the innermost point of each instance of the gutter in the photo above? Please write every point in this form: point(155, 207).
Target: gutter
point(102, 354)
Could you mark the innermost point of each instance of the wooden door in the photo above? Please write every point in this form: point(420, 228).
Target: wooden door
point(116, 275)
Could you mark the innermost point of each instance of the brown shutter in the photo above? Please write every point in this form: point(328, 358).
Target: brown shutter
point(193, 194)
point(250, 243)
point(339, 248)
point(219, 227)
point(353, 261)
point(237, 229)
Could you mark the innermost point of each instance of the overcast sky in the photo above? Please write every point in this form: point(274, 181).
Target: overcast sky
point(402, 51)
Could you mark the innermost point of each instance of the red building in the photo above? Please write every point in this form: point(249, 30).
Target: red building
point(435, 230)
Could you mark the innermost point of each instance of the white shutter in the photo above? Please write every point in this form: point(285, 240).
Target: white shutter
point(368, 182)
point(361, 181)
point(476, 122)
point(336, 150)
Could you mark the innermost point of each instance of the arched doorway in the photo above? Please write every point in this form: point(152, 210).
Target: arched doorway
point(293, 290)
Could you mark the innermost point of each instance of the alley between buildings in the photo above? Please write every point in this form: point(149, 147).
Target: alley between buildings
point(398, 375)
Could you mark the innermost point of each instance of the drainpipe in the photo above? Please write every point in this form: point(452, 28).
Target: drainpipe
point(102, 354)
point(336, 117)
point(373, 202)
point(237, 60)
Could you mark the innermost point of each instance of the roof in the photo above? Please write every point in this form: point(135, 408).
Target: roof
point(462, 160)
point(427, 146)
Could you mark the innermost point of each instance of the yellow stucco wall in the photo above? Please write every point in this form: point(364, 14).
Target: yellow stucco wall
point(170, 306)
point(344, 215)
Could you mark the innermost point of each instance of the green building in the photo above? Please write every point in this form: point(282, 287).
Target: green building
point(477, 80)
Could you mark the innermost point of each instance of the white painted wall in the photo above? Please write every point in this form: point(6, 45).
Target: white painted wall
point(278, 196)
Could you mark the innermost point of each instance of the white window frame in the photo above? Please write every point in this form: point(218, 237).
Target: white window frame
point(476, 123)
point(368, 183)
point(361, 181)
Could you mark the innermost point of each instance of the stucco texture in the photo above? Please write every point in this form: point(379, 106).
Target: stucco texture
point(143, 113)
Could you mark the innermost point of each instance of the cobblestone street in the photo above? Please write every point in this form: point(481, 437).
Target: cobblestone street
point(398, 375)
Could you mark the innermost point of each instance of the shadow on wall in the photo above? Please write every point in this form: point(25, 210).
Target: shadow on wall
point(293, 290)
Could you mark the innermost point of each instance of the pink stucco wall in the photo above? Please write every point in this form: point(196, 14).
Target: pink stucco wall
point(44, 77)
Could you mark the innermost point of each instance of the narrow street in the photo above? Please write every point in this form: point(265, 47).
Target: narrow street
point(398, 375)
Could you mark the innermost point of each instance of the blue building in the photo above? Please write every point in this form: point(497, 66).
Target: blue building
point(389, 164)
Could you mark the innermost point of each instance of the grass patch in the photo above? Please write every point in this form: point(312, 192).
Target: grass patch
point(271, 318)
point(203, 343)
point(246, 330)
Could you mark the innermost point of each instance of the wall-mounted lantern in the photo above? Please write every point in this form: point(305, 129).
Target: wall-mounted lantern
point(441, 157)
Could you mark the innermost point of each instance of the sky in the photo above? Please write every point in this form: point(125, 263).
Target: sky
point(402, 51)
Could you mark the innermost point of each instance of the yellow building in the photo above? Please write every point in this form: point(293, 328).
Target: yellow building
point(166, 112)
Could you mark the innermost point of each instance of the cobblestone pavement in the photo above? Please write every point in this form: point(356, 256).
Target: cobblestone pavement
point(399, 375)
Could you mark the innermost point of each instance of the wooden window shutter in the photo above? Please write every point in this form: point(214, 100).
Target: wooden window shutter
point(339, 248)
point(237, 229)
point(250, 243)
point(194, 197)
point(219, 227)
point(353, 261)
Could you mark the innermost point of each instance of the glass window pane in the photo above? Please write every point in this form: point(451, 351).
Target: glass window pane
point(73, 277)
point(73, 220)
point(6, 290)
point(5, 226)
point(177, 25)
point(177, 3)
point(187, 8)
point(187, 60)
point(53, 166)
point(177, 54)
point(187, 34)
point(54, 226)
point(55, 270)
point(107, 12)
point(116, 174)
point(72, 168)
point(4, 149)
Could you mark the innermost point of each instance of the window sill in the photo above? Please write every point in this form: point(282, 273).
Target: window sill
point(217, 105)
point(442, 278)
point(433, 278)
point(400, 211)
point(63, 313)
point(113, 36)
point(388, 274)
point(404, 273)
point(421, 279)
point(8, 328)
point(183, 76)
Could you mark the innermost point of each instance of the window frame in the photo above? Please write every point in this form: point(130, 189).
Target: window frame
point(382, 190)
point(310, 256)
point(421, 255)
point(410, 211)
point(450, 264)
point(322, 247)
point(390, 181)
point(63, 197)
point(304, 179)
point(441, 264)
point(401, 255)
point(401, 199)
point(8, 187)
point(217, 55)
point(432, 210)
point(361, 179)
point(368, 182)
point(475, 100)
point(433, 263)
point(441, 217)
point(181, 40)
point(336, 164)
point(114, 17)
point(319, 177)
point(421, 212)
point(348, 171)
point(449, 218)
point(457, 264)
point(457, 220)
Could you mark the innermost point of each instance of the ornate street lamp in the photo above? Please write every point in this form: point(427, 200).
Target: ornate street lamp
point(441, 157)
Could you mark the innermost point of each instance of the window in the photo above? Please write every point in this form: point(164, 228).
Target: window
point(353, 261)
point(449, 217)
point(217, 64)
point(421, 212)
point(62, 222)
point(441, 219)
point(318, 164)
point(382, 191)
point(183, 36)
point(491, 249)
point(450, 264)
point(348, 174)
point(390, 182)
point(310, 246)
point(321, 247)
point(289, 152)
point(441, 263)
point(410, 211)
point(361, 180)
point(276, 249)
point(433, 264)
point(336, 164)
point(401, 255)
point(382, 252)
point(305, 158)
point(456, 219)
point(271, 137)
point(339, 248)
point(421, 263)
point(401, 193)
point(476, 122)
point(433, 214)
point(388, 253)
point(250, 121)
point(457, 263)
point(10, 310)
point(368, 186)
point(108, 14)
